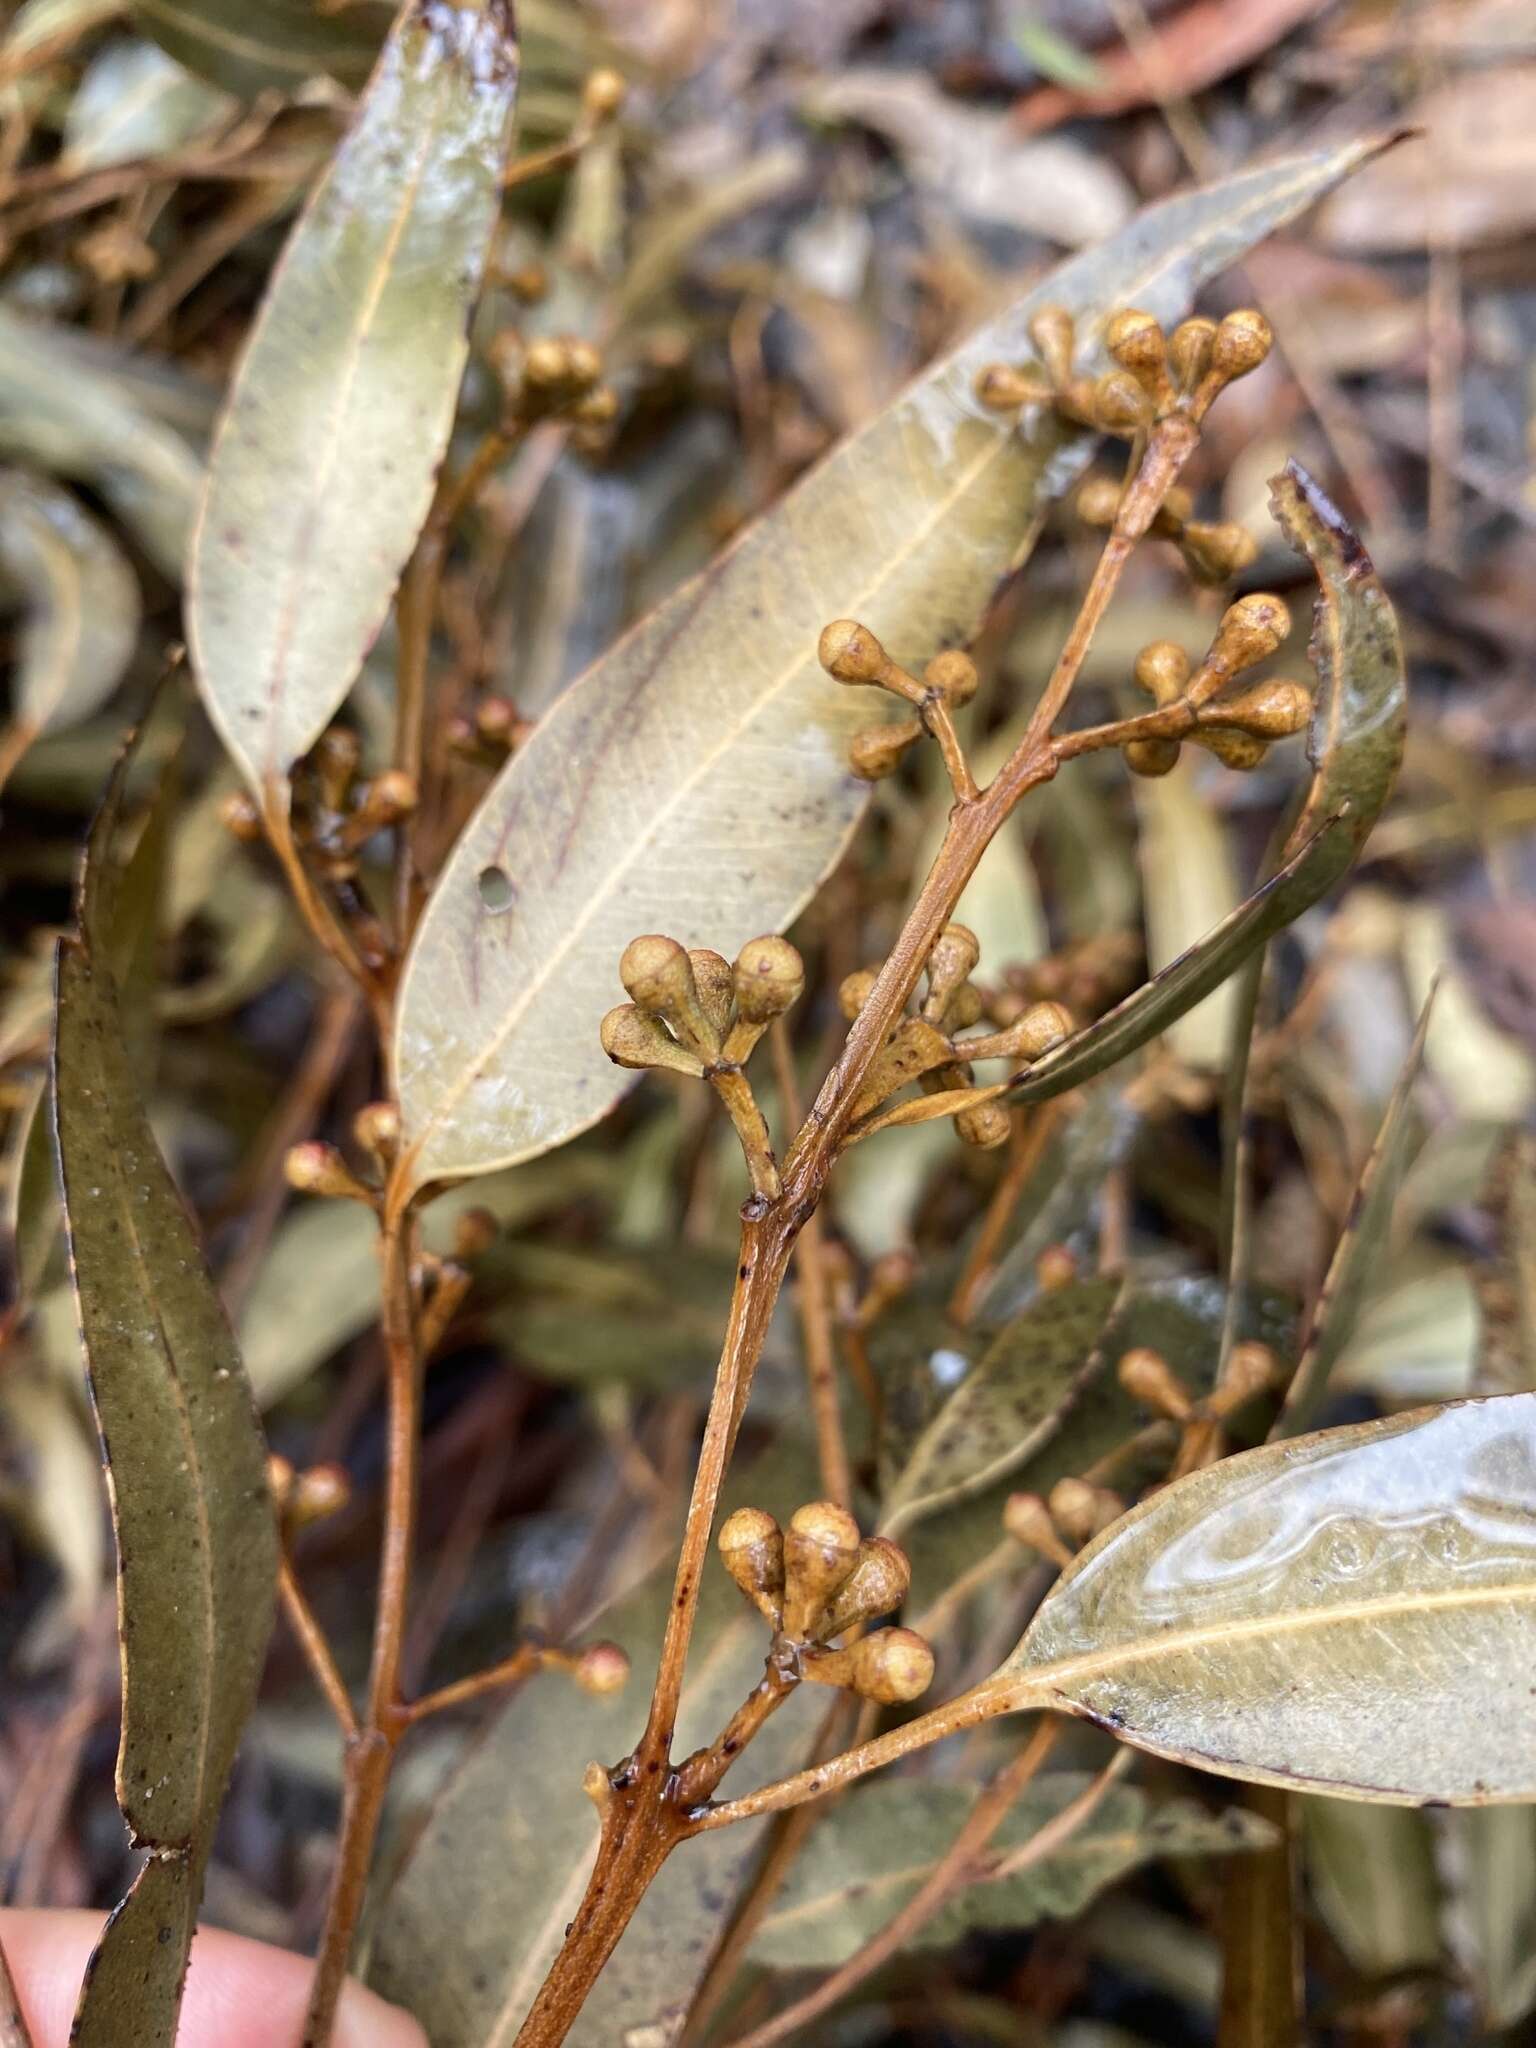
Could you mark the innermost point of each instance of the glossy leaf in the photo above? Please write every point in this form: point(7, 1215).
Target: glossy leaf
point(1356, 748)
point(1010, 1403)
point(1351, 1612)
point(275, 47)
point(468, 1932)
point(868, 1856)
point(80, 606)
point(1358, 1253)
point(196, 1537)
point(322, 470)
point(695, 780)
point(92, 424)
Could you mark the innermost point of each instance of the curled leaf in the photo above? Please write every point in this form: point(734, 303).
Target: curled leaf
point(1356, 748)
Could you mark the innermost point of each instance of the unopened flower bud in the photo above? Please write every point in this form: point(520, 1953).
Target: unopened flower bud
point(529, 283)
point(1055, 1266)
point(1027, 1520)
point(601, 1668)
point(546, 364)
point(1189, 351)
point(951, 961)
point(850, 653)
point(877, 1585)
point(1033, 1033)
point(318, 1492)
point(1251, 1369)
point(1120, 406)
point(1002, 388)
point(1240, 751)
point(986, 1126)
point(583, 363)
point(1148, 1378)
point(390, 796)
point(853, 991)
point(1250, 631)
point(953, 675)
point(603, 94)
point(769, 977)
point(598, 408)
point(1242, 342)
point(632, 1037)
point(877, 752)
point(376, 1127)
point(1137, 343)
point(1216, 553)
point(1098, 502)
point(1151, 757)
point(1080, 1510)
point(713, 978)
point(751, 1548)
point(499, 723)
point(1054, 333)
point(821, 1548)
point(240, 817)
point(1162, 670)
point(892, 1666)
point(315, 1168)
point(336, 755)
point(658, 975)
point(1270, 711)
point(474, 1232)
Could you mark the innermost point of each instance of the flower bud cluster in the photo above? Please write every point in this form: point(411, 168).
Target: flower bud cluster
point(1251, 1369)
point(850, 653)
point(1214, 551)
point(925, 1048)
point(1155, 374)
point(695, 1012)
point(818, 1580)
point(1238, 729)
point(1072, 1514)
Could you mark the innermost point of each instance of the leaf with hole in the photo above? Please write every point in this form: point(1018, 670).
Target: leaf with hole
point(1355, 746)
point(695, 780)
point(869, 1855)
point(1352, 1612)
point(1008, 1406)
point(196, 1536)
point(322, 469)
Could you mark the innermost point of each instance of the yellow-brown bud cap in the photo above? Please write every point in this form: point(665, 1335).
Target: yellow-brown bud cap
point(1148, 1378)
point(1251, 1369)
point(632, 1037)
point(850, 653)
point(966, 1007)
point(1137, 343)
point(315, 1168)
point(1162, 670)
point(659, 977)
point(1055, 1266)
point(240, 817)
point(1151, 757)
point(603, 94)
point(1027, 1520)
point(751, 1548)
point(601, 1668)
point(279, 1480)
point(1189, 351)
point(376, 1127)
point(1241, 343)
point(499, 722)
point(596, 408)
point(877, 1585)
point(1120, 405)
point(853, 991)
point(821, 1548)
point(716, 984)
point(1054, 333)
point(1080, 1510)
point(892, 1666)
point(986, 1126)
point(1240, 751)
point(1002, 388)
point(877, 752)
point(1098, 501)
point(474, 1232)
point(390, 796)
point(1033, 1033)
point(1270, 711)
point(1259, 623)
point(953, 675)
point(583, 363)
point(951, 961)
point(1215, 553)
point(546, 364)
point(318, 1492)
point(769, 977)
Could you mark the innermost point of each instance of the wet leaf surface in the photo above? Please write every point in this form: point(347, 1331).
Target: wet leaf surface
point(694, 781)
point(867, 1858)
point(322, 470)
point(1351, 1612)
point(197, 1542)
point(1009, 1405)
point(1355, 746)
